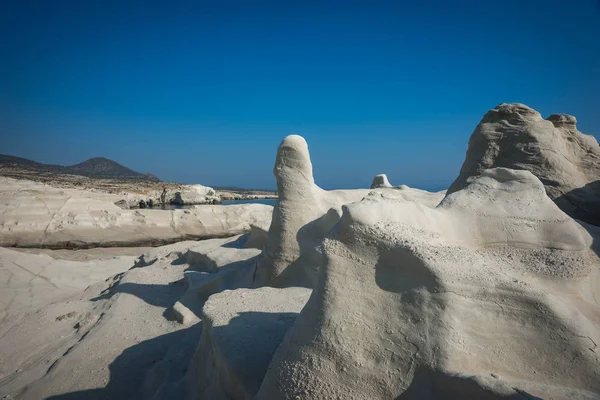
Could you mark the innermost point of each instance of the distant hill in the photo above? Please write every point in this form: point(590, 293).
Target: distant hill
point(98, 167)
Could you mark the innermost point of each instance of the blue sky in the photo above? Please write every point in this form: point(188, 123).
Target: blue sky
point(203, 92)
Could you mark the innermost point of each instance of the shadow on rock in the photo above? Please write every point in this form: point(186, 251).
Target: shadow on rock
point(220, 368)
point(156, 295)
point(239, 243)
point(428, 384)
point(582, 203)
point(400, 270)
point(304, 270)
point(165, 358)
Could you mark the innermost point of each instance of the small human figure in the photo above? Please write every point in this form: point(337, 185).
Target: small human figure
point(150, 203)
point(163, 195)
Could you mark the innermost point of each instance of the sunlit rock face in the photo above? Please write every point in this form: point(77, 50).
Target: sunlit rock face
point(565, 160)
point(304, 213)
point(491, 295)
point(38, 215)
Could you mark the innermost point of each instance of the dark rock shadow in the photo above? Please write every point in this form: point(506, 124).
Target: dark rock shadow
point(400, 270)
point(241, 352)
point(304, 270)
point(239, 243)
point(160, 365)
point(156, 295)
point(128, 371)
point(429, 384)
point(167, 357)
point(582, 203)
point(594, 232)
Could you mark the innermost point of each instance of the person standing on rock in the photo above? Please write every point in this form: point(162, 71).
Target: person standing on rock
point(163, 195)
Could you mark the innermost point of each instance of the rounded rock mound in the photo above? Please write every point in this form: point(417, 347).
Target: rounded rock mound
point(565, 160)
point(381, 181)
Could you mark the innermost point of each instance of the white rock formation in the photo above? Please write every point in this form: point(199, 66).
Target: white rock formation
point(381, 181)
point(35, 215)
point(493, 294)
point(565, 160)
point(181, 195)
point(214, 266)
point(303, 214)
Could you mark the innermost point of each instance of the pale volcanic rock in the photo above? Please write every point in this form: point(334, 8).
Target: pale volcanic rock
point(116, 338)
point(381, 181)
point(300, 202)
point(485, 296)
point(37, 215)
point(489, 291)
point(30, 281)
point(42, 314)
point(565, 160)
point(178, 195)
point(304, 213)
point(214, 266)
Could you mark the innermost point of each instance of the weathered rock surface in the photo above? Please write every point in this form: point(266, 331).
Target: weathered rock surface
point(130, 335)
point(241, 331)
point(178, 195)
point(489, 292)
point(303, 214)
point(493, 294)
point(565, 160)
point(214, 266)
point(36, 215)
point(42, 314)
point(30, 281)
point(381, 181)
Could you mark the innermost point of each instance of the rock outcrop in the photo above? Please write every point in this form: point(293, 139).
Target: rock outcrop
point(381, 181)
point(76, 329)
point(565, 160)
point(302, 205)
point(492, 294)
point(215, 265)
point(35, 215)
point(490, 291)
point(179, 195)
point(302, 216)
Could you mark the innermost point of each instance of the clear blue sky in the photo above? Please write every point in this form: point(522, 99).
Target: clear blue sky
point(203, 92)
